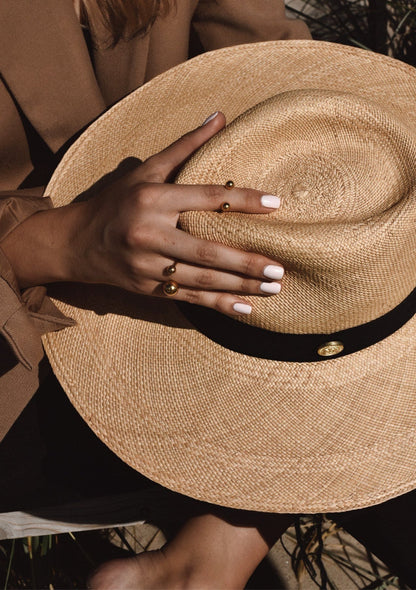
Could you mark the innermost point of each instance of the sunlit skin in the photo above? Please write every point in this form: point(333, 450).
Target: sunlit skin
point(218, 550)
point(126, 235)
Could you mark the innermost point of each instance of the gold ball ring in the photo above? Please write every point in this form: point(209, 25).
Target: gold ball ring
point(170, 288)
point(229, 185)
point(171, 269)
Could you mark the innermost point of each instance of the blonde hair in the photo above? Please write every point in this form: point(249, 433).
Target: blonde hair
point(123, 19)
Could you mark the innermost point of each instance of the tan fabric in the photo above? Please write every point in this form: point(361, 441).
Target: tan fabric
point(23, 318)
point(46, 76)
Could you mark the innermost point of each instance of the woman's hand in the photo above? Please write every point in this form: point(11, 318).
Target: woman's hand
point(126, 235)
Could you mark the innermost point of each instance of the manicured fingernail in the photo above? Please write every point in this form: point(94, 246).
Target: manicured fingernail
point(270, 201)
point(271, 288)
point(210, 118)
point(273, 272)
point(242, 308)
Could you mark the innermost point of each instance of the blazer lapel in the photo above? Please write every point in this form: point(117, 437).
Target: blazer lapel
point(45, 63)
point(121, 69)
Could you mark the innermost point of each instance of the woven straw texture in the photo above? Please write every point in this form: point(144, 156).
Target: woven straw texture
point(332, 130)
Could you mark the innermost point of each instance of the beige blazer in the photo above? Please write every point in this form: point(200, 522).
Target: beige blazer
point(47, 81)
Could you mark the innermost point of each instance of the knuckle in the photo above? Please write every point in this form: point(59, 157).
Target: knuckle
point(137, 269)
point(247, 286)
point(204, 279)
point(148, 199)
point(213, 191)
point(139, 238)
point(206, 253)
point(248, 264)
point(155, 177)
point(192, 297)
point(154, 170)
point(131, 239)
point(220, 303)
point(145, 195)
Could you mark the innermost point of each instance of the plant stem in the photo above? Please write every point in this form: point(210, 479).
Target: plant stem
point(9, 566)
point(32, 562)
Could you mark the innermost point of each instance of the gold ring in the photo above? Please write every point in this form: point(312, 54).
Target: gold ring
point(229, 185)
point(171, 269)
point(170, 288)
point(225, 207)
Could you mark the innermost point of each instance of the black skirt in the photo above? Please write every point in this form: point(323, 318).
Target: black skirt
point(50, 456)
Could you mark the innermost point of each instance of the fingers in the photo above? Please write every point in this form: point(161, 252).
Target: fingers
point(208, 279)
point(182, 198)
point(177, 198)
point(206, 286)
point(182, 246)
point(162, 166)
point(202, 286)
point(223, 302)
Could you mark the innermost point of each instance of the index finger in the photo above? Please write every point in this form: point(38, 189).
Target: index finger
point(193, 197)
point(163, 166)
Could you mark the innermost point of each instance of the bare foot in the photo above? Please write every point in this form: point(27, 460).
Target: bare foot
point(148, 570)
point(211, 551)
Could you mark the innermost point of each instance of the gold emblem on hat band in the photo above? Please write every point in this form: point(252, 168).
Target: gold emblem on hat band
point(331, 348)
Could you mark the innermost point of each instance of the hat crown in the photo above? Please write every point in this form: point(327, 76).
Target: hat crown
point(344, 168)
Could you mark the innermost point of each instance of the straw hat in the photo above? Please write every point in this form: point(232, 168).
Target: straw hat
point(309, 403)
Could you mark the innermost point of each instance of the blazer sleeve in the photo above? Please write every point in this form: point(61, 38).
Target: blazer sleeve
point(24, 316)
point(221, 23)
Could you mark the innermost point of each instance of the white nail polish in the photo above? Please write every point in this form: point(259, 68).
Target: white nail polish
point(272, 288)
point(270, 201)
point(210, 118)
point(242, 308)
point(273, 272)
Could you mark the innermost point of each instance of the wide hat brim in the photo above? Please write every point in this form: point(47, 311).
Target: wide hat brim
point(214, 424)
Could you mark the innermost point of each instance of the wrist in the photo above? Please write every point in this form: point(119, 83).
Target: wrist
point(40, 249)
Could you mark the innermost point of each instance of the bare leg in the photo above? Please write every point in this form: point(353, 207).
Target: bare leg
point(215, 550)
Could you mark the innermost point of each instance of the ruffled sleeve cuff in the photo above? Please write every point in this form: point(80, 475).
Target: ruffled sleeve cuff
point(24, 316)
